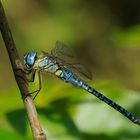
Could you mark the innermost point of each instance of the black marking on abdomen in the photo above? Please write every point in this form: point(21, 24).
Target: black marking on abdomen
point(112, 104)
point(69, 77)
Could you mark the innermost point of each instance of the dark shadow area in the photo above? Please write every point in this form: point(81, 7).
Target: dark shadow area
point(18, 120)
point(86, 136)
point(57, 113)
point(60, 109)
point(126, 12)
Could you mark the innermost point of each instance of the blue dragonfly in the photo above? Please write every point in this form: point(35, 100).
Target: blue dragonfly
point(55, 63)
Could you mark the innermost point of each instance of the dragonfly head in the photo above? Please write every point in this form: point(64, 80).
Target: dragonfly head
point(29, 59)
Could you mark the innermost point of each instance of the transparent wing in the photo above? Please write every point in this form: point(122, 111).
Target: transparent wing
point(83, 71)
point(64, 56)
point(44, 53)
point(79, 70)
point(61, 50)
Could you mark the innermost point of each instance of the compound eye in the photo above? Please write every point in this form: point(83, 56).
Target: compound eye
point(29, 59)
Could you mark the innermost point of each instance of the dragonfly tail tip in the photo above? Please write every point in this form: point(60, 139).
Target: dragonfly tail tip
point(138, 122)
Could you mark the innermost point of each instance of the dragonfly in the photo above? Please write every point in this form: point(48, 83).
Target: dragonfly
point(56, 63)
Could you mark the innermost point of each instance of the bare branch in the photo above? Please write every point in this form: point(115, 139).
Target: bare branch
point(20, 76)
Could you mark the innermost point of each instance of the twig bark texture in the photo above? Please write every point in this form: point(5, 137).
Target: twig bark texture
point(17, 67)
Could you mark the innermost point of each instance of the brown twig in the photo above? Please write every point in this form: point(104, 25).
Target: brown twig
point(17, 67)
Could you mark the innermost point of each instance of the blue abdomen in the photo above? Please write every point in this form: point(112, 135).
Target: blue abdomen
point(69, 77)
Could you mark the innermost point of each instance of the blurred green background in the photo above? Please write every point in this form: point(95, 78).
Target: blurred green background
point(105, 36)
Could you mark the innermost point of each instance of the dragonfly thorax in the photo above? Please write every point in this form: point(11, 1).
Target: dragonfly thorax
point(29, 59)
point(46, 64)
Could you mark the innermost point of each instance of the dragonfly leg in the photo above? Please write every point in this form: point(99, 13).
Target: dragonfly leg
point(26, 72)
point(32, 80)
point(32, 75)
point(40, 85)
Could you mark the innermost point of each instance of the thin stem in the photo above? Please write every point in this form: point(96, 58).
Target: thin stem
point(17, 67)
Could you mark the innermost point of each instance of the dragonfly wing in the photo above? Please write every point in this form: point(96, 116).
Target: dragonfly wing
point(83, 71)
point(44, 53)
point(80, 70)
point(63, 55)
point(61, 50)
